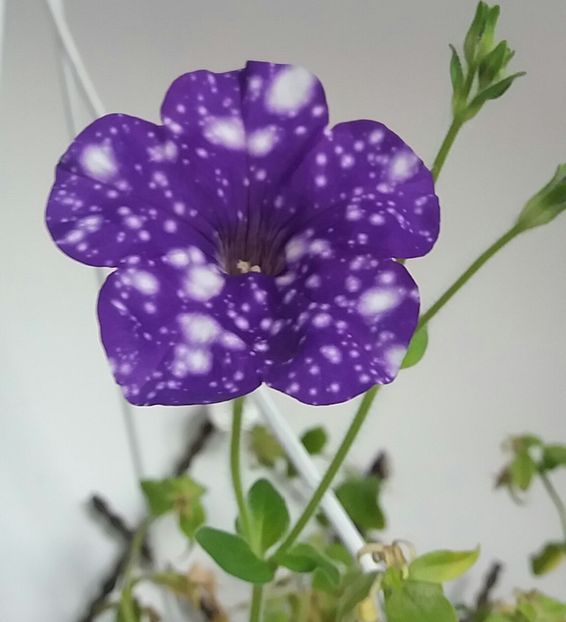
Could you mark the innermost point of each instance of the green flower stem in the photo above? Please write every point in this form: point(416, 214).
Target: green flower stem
point(555, 498)
point(126, 604)
point(467, 275)
point(235, 470)
point(257, 602)
point(331, 471)
point(445, 147)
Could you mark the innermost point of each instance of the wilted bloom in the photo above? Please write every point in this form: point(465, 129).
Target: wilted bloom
point(251, 243)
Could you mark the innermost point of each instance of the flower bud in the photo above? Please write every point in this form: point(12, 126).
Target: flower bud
point(546, 204)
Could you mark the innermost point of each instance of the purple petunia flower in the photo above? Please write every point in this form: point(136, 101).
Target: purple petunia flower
point(251, 243)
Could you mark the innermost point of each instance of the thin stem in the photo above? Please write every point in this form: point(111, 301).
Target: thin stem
point(126, 603)
point(235, 466)
point(331, 471)
point(467, 275)
point(446, 146)
point(555, 498)
point(257, 603)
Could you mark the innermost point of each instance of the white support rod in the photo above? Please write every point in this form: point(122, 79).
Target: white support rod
point(302, 461)
point(63, 32)
point(74, 78)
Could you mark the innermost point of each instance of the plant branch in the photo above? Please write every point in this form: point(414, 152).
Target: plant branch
point(331, 471)
point(556, 500)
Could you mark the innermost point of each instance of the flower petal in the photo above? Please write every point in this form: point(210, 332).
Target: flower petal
point(252, 129)
point(354, 318)
point(364, 188)
point(171, 333)
point(120, 191)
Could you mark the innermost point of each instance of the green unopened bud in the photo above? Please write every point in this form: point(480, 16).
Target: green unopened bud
point(487, 40)
point(492, 65)
point(546, 204)
point(475, 32)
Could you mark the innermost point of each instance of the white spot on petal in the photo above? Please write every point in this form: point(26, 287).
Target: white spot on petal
point(291, 89)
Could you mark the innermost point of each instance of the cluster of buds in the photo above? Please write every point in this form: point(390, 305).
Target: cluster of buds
point(482, 76)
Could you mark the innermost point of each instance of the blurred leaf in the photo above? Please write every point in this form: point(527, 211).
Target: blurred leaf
point(305, 558)
point(522, 470)
point(269, 514)
point(234, 555)
point(441, 566)
point(417, 601)
point(314, 440)
point(359, 496)
point(265, 446)
point(128, 608)
point(166, 495)
point(357, 589)
point(175, 582)
point(417, 348)
point(191, 519)
point(551, 556)
point(553, 456)
point(536, 607)
point(339, 553)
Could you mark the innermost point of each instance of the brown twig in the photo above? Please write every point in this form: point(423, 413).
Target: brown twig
point(113, 575)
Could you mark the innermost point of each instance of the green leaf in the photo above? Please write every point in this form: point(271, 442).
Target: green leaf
point(536, 607)
point(314, 440)
point(192, 519)
point(234, 555)
point(128, 608)
point(491, 92)
point(269, 514)
point(553, 456)
point(359, 496)
point(441, 566)
point(339, 553)
point(475, 31)
point(175, 582)
point(551, 556)
point(417, 348)
point(357, 589)
point(265, 446)
point(176, 493)
point(522, 470)
point(417, 601)
point(304, 557)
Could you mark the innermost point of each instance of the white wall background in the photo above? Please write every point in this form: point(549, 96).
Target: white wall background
point(497, 359)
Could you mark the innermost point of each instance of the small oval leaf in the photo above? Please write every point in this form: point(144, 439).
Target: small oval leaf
point(234, 555)
point(441, 566)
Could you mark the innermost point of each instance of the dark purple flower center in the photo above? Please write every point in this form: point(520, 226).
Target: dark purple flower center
point(251, 248)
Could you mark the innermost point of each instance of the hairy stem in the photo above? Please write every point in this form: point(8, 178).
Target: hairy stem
point(556, 500)
point(331, 471)
point(467, 275)
point(235, 470)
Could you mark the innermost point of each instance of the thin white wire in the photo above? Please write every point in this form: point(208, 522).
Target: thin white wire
point(75, 75)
